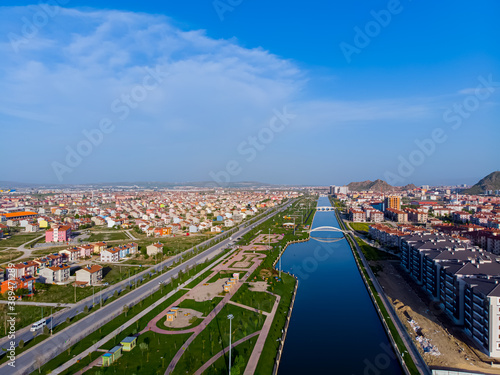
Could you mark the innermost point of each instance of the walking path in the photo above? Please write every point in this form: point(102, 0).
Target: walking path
point(249, 308)
point(222, 352)
point(97, 345)
point(198, 329)
point(259, 345)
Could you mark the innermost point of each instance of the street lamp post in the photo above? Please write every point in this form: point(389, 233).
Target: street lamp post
point(230, 317)
point(280, 267)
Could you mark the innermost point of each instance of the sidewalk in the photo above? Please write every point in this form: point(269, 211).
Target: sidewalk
point(198, 329)
point(261, 341)
point(222, 352)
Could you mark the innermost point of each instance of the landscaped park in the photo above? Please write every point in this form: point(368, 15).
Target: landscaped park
point(189, 332)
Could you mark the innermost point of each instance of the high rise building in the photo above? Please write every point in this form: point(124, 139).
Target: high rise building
point(338, 189)
point(392, 201)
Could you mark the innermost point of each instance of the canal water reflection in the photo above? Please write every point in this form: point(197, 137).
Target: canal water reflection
point(334, 327)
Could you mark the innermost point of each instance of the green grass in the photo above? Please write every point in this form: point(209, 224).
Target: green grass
point(215, 337)
point(47, 251)
point(147, 361)
point(412, 368)
point(109, 327)
point(239, 359)
point(259, 300)
point(92, 338)
point(111, 236)
point(360, 227)
point(6, 256)
point(269, 353)
point(205, 307)
point(223, 275)
point(26, 315)
point(116, 273)
point(372, 253)
point(18, 239)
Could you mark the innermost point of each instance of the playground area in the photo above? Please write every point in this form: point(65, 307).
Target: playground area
point(258, 286)
point(207, 291)
point(184, 318)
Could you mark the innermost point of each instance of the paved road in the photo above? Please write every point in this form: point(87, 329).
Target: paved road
point(211, 316)
point(417, 358)
point(131, 321)
point(52, 346)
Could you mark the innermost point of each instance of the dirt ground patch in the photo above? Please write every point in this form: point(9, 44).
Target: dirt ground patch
point(258, 286)
point(183, 318)
point(255, 247)
point(457, 350)
point(207, 292)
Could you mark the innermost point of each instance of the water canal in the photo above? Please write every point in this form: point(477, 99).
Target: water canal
point(334, 326)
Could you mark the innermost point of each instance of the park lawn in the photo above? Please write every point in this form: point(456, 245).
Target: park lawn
point(204, 307)
point(102, 332)
point(239, 359)
point(152, 355)
point(111, 236)
point(268, 356)
point(26, 315)
point(215, 337)
point(361, 227)
point(18, 239)
point(372, 253)
point(259, 300)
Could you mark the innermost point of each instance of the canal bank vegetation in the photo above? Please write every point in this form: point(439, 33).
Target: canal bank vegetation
point(384, 315)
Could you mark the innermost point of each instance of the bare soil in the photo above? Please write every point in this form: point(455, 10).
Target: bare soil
point(457, 350)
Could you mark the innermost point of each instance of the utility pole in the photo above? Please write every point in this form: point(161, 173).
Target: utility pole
point(51, 321)
point(230, 317)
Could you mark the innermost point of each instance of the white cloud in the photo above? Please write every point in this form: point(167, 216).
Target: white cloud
point(65, 77)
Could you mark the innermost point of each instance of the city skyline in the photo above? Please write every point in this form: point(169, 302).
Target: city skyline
point(199, 93)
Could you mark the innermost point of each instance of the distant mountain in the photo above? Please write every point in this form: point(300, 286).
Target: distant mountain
point(4, 185)
point(490, 182)
point(378, 186)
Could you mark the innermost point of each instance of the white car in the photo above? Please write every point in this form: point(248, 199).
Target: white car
point(37, 325)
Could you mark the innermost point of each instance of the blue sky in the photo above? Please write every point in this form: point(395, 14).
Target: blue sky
point(251, 91)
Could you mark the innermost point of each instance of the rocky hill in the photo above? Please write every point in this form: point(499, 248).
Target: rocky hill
point(490, 182)
point(378, 186)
